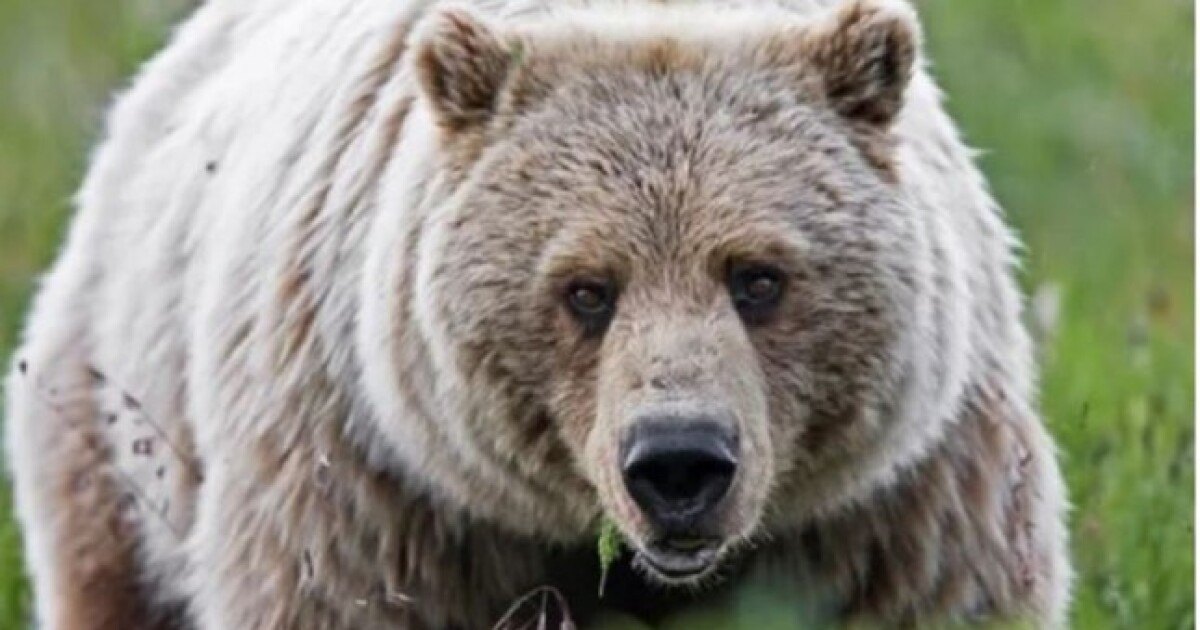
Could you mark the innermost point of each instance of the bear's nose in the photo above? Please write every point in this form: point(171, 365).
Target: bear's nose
point(677, 471)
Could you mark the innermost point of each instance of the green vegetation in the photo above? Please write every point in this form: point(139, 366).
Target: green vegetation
point(608, 547)
point(1084, 111)
point(1086, 114)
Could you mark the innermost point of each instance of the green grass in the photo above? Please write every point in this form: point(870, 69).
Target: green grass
point(1085, 113)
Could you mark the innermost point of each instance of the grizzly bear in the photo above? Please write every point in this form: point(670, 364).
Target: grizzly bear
point(374, 313)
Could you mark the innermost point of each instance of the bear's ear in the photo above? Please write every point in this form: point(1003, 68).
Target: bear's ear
point(461, 65)
point(864, 55)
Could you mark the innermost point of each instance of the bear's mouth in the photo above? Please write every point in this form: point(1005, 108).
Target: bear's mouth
point(680, 561)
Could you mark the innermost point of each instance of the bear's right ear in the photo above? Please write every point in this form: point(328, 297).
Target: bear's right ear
point(461, 65)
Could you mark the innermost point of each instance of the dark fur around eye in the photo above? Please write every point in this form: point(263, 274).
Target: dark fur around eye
point(756, 291)
point(592, 303)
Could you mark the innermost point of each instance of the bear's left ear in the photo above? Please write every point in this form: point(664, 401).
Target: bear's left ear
point(863, 55)
point(461, 65)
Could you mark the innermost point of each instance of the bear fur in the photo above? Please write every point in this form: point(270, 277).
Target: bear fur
point(304, 360)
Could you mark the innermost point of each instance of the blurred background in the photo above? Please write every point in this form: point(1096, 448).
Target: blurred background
point(1083, 111)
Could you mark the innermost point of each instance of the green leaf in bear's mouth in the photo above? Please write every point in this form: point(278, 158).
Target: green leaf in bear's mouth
point(608, 546)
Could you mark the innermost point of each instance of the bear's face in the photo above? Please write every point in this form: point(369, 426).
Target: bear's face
point(680, 268)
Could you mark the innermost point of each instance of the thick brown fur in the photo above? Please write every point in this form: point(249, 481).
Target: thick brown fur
point(305, 360)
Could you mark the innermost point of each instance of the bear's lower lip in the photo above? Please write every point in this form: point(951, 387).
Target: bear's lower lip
point(680, 563)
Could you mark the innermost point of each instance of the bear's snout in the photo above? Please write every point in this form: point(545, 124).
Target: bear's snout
point(677, 471)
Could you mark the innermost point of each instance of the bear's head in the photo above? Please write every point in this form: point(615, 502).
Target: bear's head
point(667, 272)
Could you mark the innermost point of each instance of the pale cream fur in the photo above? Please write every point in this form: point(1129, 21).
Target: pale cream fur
point(256, 270)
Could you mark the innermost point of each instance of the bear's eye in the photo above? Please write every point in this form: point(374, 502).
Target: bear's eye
point(756, 291)
point(591, 302)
